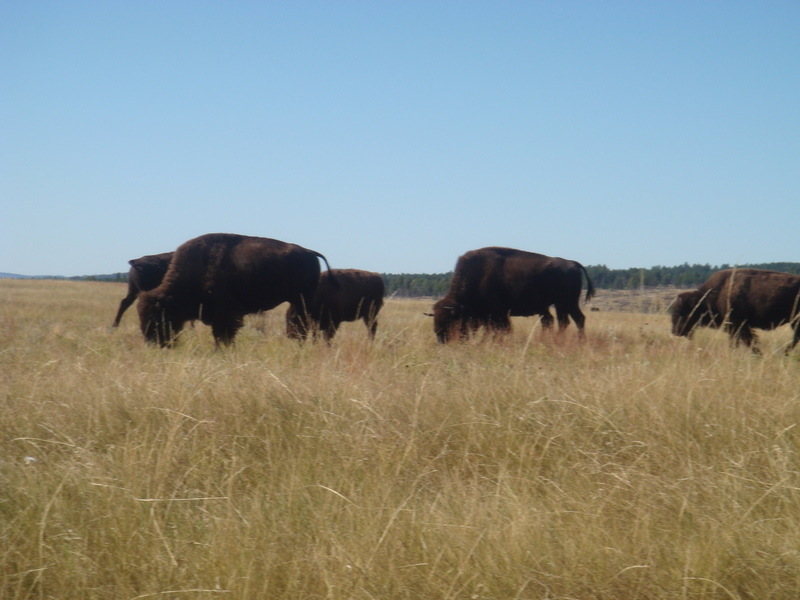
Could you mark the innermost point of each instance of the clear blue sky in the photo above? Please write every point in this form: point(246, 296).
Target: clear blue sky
point(395, 135)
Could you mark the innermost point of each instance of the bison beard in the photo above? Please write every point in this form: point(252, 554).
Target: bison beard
point(739, 300)
point(342, 295)
point(219, 278)
point(490, 285)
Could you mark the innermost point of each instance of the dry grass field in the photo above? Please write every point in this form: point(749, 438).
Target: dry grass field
point(632, 466)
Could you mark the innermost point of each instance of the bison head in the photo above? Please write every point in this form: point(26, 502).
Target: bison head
point(158, 325)
point(448, 320)
point(688, 312)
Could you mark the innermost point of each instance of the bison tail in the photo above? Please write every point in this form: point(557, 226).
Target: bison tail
point(590, 291)
point(322, 256)
point(331, 278)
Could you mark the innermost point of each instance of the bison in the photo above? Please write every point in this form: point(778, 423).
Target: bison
point(739, 300)
point(144, 275)
point(221, 277)
point(342, 295)
point(492, 284)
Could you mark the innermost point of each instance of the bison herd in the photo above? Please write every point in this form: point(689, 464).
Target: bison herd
point(219, 278)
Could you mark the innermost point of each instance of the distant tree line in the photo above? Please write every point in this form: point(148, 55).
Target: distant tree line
point(112, 277)
point(415, 285)
point(408, 285)
point(682, 276)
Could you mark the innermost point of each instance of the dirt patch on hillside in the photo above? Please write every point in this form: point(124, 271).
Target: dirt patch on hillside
point(643, 300)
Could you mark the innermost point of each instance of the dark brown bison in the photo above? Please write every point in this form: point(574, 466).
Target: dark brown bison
point(492, 284)
point(145, 274)
point(221, 277)
point(342, 295)
point(739, 300)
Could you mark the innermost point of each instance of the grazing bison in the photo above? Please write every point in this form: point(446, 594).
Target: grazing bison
point(221, 277)
point(145, 274)
point(739, 300)
point(492, 284)
point(342, 295)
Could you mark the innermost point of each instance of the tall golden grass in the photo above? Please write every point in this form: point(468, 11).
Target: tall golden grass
point(632, 466)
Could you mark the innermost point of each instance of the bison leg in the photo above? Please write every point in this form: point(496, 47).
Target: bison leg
point(795, 337)
point(370, 318)
point(745, 334)
point(577, 316)
point(225, 330)
point(324, 324)
point(330, 330)
point(297, 324)
point(547, 320)
point(499, 324)
point(300, 323)
point(372, 327)
point(580, 321)
point(563, 319)
point(123, 306)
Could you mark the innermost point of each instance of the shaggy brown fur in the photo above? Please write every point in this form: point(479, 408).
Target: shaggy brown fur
point(221, 277)
point(342, 295)
point(492, 284)
point(739, 300)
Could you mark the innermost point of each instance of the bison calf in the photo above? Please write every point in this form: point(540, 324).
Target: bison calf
point(342, 295)
point(739, 300)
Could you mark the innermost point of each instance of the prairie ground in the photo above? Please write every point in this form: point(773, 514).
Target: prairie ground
point(634, 465)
